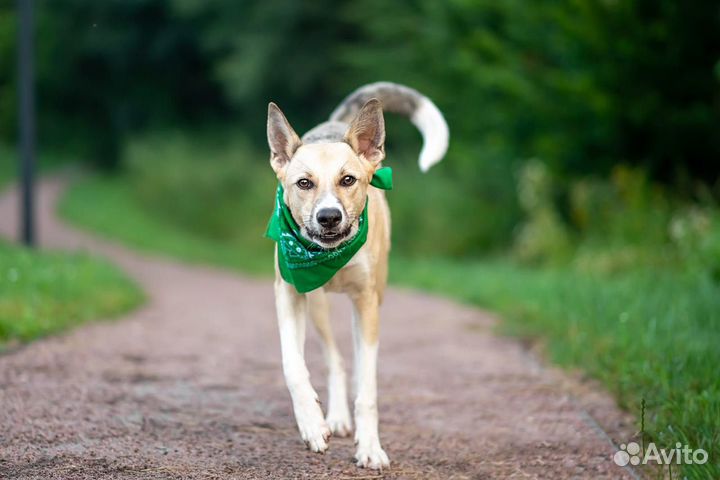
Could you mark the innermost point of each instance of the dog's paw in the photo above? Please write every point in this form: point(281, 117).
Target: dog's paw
point(372, 456)
point(313, 428)
point(339, 423)
point(315, 434)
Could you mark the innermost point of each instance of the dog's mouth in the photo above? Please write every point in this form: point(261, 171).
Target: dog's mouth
point(330, 238)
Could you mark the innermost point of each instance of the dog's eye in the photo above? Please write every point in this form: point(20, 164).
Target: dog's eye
point(348, 180)
point(304, 184)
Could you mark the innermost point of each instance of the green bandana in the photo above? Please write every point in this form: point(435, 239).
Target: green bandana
point(306, 264)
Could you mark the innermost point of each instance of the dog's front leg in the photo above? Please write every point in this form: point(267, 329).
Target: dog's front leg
point(338, 413)
point(365, 336)
point(292, 314)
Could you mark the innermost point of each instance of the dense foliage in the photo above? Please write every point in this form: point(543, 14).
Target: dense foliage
point(106, 69)
point(583, 84)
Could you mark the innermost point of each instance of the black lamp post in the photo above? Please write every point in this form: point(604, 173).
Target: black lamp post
point(26, 112)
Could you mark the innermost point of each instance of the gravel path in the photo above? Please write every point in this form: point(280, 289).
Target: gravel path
point(190, 386)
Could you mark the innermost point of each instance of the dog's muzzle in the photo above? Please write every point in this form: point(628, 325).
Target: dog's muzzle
point(329, 218)
point(329, 230)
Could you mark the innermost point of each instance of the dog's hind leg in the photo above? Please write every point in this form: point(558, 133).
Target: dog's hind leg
point(338, 413)
point(292, 310)
point(365, 337)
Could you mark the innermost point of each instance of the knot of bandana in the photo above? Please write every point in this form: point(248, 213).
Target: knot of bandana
point(305, 264)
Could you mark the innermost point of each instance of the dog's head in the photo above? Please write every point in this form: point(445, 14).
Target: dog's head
point(326, 183)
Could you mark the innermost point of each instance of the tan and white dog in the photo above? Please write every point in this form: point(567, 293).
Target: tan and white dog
point(326, 180)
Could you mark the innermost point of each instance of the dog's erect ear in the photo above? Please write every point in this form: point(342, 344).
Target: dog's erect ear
point(366, 134)
point(282, 139)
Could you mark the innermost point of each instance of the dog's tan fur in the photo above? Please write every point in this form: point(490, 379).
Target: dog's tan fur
point(360, 155)
point(325, 159)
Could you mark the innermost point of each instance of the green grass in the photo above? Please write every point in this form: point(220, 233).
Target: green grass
point(649, 333)
point(43, 293)
point(108, 206)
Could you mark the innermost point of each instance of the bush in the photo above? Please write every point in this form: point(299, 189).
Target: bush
point(209, 184)
point(695, 232)
point(543, 236)
point(624, 209)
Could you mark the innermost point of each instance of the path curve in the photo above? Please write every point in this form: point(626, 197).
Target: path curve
point(190, 386)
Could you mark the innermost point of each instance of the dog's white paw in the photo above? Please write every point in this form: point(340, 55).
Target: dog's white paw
point(313, 428)
point(371, 456)
point(339, 423)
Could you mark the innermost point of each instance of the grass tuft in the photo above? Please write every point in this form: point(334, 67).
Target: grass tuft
point(43, 293)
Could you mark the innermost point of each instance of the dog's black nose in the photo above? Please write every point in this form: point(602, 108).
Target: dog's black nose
point(329, 217)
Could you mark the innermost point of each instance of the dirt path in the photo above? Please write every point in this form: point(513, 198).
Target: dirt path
point(190, 386)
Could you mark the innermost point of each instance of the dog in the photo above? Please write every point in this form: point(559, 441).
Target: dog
point(324, 183)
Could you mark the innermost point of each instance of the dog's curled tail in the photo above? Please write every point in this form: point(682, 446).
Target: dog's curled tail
point(406, 101)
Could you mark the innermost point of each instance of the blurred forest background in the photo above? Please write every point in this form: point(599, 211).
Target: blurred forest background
point(612, 105)
point(579, 196)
